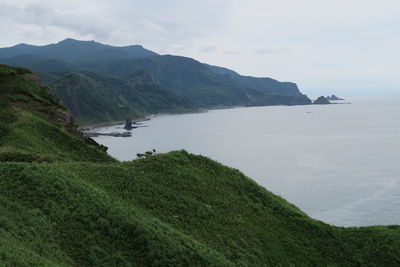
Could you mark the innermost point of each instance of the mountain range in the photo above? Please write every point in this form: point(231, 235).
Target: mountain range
point(102, 83)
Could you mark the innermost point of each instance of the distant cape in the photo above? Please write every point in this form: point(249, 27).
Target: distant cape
point(101, 83)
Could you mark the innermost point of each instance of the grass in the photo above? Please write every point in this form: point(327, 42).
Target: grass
point(65, 202)
point(169, 210)
point(34, 126)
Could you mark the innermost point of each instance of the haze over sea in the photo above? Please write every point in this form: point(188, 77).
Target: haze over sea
point(338, 163)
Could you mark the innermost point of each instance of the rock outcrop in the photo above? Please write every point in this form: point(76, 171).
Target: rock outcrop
point(321, 101)
point(334, 98)
point(128, 124)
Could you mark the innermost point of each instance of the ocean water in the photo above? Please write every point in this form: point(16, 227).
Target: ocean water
point(338, 163)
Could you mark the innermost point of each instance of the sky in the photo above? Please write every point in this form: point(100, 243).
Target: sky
point(346, 47)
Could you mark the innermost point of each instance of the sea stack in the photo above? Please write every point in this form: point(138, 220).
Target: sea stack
point(334, 98)
point(321, 101)
point(128, 124)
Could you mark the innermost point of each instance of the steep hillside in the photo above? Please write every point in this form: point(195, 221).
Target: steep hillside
point(38, 63)
point(168, 210)
point(34, 126)
point(94, 98)
point(64, 202)
point(203, 86)
point(261, 84)
point(200, 84)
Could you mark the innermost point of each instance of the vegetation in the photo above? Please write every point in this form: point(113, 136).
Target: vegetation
point(174, 209)
point(94, 98)
point(70, 50)
point(146, 154)
point(101, 83)
point(64, 202)
point(34, 126)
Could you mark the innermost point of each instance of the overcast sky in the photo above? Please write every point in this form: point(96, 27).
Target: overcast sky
point(345, 47)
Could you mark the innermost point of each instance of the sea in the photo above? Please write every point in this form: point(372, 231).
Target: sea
point(338, 163)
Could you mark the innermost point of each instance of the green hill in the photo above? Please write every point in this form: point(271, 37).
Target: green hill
point(35, 126)
point(94, 98)
point(64, 202)
point(179, 83)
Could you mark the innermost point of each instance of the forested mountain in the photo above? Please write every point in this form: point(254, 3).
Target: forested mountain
point(175, 83)
point(93, 97)
point(71, 50)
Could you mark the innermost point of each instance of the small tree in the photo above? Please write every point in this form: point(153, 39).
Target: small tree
point(146, 154)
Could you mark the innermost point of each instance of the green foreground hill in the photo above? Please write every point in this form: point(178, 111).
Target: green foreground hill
point(65, 202)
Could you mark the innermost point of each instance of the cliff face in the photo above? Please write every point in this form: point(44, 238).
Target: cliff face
point(300, 100)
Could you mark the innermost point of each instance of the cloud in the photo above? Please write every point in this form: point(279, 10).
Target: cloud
point(207, 49)
point(231, 52)
point(272, 51)
point(48, 19)
point(314, 43)
point(160, 22)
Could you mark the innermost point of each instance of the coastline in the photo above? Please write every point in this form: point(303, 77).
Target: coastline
point(111, 123)
point(148, 117)
point(140, 119)
point(90, 130)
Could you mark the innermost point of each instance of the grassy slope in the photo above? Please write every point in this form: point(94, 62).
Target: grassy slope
point(84, 208)
point(94, 98)
point(174, 209)
point(35, 126)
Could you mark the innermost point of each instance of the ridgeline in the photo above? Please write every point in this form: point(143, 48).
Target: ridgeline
point(65, 202)
point(101, 83)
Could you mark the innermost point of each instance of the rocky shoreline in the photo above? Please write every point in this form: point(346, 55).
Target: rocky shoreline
point(90, 130)
point(106, 124)
point(115, 134)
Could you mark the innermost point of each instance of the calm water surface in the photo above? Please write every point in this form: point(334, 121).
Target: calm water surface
point(338, 163)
